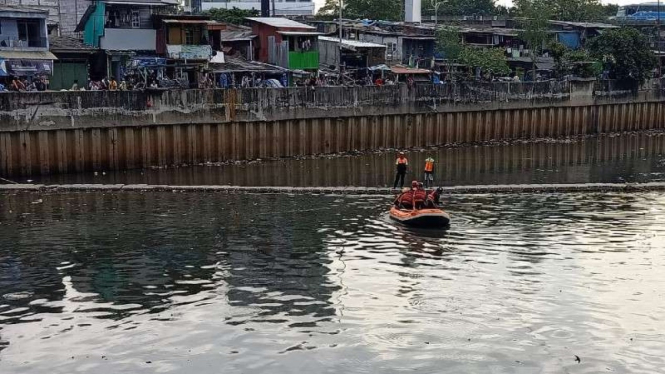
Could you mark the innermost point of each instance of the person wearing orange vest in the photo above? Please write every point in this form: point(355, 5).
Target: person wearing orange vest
point(429, 171)
point(401, 163)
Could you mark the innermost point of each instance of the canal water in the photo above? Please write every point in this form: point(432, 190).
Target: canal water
point(213, 283)
point(602, 159)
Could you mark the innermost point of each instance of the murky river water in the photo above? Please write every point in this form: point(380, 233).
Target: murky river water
point(213, 283)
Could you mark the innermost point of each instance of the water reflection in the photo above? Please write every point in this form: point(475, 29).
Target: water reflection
point(272, 283)
point(629, 157)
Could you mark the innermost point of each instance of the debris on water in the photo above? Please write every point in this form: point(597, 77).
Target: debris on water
point(148, 362)
point(577, 358)
point(38, 201)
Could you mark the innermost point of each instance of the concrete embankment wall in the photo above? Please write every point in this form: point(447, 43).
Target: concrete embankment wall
point(62, 132)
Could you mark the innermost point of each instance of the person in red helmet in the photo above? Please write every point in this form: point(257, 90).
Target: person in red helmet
point(434, 198)
point(419, 196)
point(406, 198)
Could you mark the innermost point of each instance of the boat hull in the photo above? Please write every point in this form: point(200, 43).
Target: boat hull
point(421, 217)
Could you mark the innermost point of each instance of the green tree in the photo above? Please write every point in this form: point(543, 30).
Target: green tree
point(625, 53)
point(534, 20)
point(388, 10)
point(449, 42)
point(575, 62)
point(490, 60)
point(233, 16)
point(578, 10)
point(459, 7)
point(572, 10)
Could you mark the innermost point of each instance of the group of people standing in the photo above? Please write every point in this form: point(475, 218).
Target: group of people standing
point(417, 197)
point(402, 164)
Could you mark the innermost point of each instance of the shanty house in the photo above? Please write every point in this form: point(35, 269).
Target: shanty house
point(286, 43)
point(24, 46)
point(353, 54)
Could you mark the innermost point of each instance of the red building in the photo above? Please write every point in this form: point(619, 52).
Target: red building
point(283, 42)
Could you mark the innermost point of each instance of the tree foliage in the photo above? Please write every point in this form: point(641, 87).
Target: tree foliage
point(577, 63)
point(387, 10)
point(534, 20)
point(578, 10)
point(449, 43)
point(233, 16)
point(490, 60)
point(625, 53)
point(569, 10)
point(459, 7)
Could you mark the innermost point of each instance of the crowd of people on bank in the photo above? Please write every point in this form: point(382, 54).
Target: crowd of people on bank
point(16, 84)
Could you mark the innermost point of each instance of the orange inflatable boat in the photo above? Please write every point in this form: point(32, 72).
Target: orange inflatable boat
point(420, 217)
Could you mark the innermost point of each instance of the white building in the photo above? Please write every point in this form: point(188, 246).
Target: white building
point(282, 7)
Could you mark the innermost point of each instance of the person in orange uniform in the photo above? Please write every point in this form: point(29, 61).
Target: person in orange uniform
point(429, 172)
point(402, 164)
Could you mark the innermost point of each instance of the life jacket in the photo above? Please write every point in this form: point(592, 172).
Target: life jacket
point(429, 165)
point(402, 163)
point(419, 196)
point(406, 198)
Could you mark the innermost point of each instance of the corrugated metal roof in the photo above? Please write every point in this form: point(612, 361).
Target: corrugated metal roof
point(236, 35)
point(586, 25)
point(27, 55)
point(68, 44)
point(280, 22)
point(352, 43)
point(189, 21)
point(143, 2)
point(239, 65)
point(21, 9)
point(406, 70)
point(298, 33)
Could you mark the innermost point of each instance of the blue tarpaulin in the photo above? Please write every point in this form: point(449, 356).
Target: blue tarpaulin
point(569, 39)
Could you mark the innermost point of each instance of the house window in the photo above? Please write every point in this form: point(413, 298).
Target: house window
point(22, 30)
point(189, 37)
point(136, 19)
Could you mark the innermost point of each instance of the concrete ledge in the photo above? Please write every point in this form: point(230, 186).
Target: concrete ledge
point(489, 189)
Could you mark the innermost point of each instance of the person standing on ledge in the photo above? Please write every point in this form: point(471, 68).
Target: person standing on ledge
point(402, 163)
point(429, 172)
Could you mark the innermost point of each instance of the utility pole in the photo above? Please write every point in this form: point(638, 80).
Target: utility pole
point(339, 65)
point(660, 61)
point(436, 13)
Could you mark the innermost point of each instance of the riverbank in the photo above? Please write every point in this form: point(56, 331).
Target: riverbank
point(55, 133)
